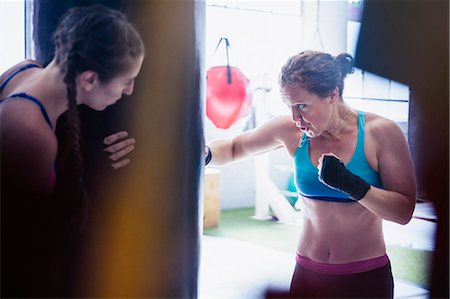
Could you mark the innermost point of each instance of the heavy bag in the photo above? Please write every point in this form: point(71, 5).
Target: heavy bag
point(228, 95)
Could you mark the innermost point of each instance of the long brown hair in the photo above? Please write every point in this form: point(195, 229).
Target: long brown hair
point(101, 40)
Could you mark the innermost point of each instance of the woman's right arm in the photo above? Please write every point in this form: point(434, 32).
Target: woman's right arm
point(267, 137)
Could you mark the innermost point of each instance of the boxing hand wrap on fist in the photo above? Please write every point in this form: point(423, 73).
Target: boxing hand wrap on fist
point(208, 155)
point(335, 175)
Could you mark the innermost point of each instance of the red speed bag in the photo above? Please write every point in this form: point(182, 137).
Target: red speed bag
point(227, 98)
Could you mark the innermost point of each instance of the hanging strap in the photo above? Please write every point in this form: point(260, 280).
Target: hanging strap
point(317, 31)
point(227, 46)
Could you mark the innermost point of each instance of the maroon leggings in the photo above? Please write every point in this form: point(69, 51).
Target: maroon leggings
point(377, 283)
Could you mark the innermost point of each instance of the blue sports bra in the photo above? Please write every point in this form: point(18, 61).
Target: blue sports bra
point(24, 95)
point(307, 183)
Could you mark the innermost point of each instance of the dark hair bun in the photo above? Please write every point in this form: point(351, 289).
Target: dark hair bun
point(346, 63)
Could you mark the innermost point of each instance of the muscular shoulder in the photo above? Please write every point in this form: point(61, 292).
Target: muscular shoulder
point(381, 128)
point(392, 154)
point(385, 138)
point(281, 127)
point(283, 130)
point(280, 123)
point(274, 133)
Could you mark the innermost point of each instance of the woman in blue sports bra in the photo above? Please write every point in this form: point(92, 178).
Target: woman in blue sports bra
point(98, 54)
point(353, 169)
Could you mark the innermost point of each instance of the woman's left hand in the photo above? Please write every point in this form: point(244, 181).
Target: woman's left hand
point(320, 165)
point(119, 146)
point(334, 174)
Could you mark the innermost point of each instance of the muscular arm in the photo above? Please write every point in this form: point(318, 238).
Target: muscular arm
point(269, 136)
point(396, 201)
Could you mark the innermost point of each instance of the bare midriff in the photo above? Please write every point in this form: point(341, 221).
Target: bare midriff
point(336, 233)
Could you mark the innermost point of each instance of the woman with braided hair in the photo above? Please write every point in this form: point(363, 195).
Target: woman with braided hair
point(352, 170)
point(98, 54)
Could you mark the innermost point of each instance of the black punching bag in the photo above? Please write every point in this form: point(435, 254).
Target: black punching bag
point(408, 41)
point(147, 242)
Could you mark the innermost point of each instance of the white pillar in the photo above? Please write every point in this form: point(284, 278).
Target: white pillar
point(262, 198)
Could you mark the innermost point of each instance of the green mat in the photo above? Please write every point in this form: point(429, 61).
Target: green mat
point(407, 263)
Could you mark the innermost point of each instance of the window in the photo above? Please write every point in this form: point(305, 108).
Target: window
point(12, 33)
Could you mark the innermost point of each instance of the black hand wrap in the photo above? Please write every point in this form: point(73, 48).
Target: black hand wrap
point(335, 175)
point(208, 156)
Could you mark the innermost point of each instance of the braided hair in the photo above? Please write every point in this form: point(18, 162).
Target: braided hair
point(101, 40)
point(317, 72)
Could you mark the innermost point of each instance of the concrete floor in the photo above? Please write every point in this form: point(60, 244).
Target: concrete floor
point(235, 269)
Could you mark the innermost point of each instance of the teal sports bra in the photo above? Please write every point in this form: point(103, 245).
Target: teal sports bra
point(307, 183)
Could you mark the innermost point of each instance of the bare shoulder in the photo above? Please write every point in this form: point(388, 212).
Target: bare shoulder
point(387, 144)
point(281, 127)
point(285, 132)
point(28, 149)
point(28, 160)
point(274, 133)
point(16, 67)
point(391, 153)
point(382, 129)
point(281, 122)
point(23, 126)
